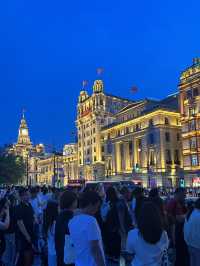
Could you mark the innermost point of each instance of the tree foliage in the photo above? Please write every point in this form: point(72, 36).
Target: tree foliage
point(12, 169)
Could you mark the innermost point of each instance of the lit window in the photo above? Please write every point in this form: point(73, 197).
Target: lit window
point(194, 160)
point(166, 121)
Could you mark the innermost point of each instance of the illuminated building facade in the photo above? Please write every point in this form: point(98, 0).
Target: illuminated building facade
point(51, 170)
point(93, 113)
point(27, 151)
point(189, 88)
point(144, 143)
point(70, 162)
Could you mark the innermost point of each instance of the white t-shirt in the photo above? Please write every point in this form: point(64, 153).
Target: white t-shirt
point(145, 253)
point(83, 229)
point(36, 206)
point(192, 230)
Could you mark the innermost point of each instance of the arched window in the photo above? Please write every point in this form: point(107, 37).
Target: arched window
point(166, 121)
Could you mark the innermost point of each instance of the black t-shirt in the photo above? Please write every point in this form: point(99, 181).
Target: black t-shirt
point(25, 213)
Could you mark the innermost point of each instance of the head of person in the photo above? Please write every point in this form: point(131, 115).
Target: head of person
point(50, 215)
point(180, 194)
point(138, 192)
point(33, 191)
point(90, 202)
point(68, 200)
point(24, 195)
point(153, 193)
point(111, 194)
point(125, 193)
point(44, 190)
point(150, 223)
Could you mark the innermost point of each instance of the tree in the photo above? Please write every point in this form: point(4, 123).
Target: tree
point(12, 169)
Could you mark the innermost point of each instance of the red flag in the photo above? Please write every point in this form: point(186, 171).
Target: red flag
point(134, 89)
point(100, 70)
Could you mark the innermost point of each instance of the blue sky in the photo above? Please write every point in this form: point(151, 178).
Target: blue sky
point(48, 47)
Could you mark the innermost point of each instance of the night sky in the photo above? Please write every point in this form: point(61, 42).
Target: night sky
point(48, 47)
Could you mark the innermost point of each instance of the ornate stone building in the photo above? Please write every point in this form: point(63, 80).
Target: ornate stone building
point(70, 162)
point(144, 143)
point(94, 112)
point(27, 151)
point(189, 88)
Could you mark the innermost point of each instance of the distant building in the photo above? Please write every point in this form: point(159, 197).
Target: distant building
point(189, 88)
point(27, 151)
point(70, 162)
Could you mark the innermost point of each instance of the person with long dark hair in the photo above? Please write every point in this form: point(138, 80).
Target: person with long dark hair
point(50, 216)
point(192, 233)
point(149, 241)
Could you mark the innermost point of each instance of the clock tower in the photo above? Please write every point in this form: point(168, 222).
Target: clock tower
point(23, 135)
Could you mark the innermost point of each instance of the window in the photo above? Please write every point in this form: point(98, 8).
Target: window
point(95, 158)
point(150, 122)
point(167, 136)
point(88, 151)
point(189, 94)
point(103, 158)
point(151, 138)
point(94, 140)
point(195, 92)
point(178, 137)
point(94, 149)
point(166, 121)
point(192, 125)
point(193, 143)
point(176, 157)
point(194, 160)
point(102, 148)
point(127, 130)
point(168, 157)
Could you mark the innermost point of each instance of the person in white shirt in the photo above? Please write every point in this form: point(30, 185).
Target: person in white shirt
point(192, 234)
point(85, 232)
point(50, 215)
point(149, 241)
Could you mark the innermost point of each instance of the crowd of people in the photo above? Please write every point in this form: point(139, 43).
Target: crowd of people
point(95, 226)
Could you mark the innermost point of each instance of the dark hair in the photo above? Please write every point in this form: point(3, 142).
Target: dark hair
point(67, 198)
point(150, 223)
point(33, 190)
point(89, 198)
point(153, 193)
point(22, 191)
point(44, 190)
point(111, 194)
point(50, 215)
point(196, 205)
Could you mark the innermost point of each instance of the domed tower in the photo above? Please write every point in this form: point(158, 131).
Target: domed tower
point(98, 86)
